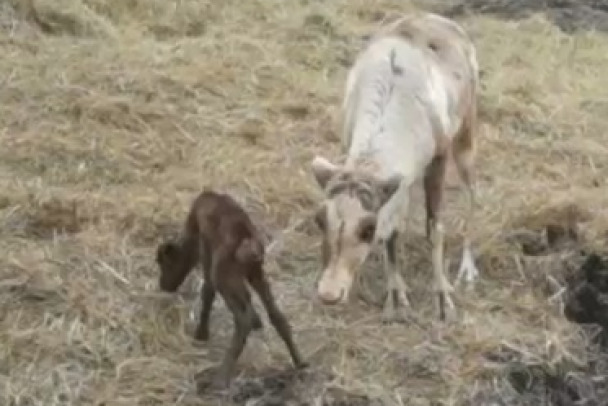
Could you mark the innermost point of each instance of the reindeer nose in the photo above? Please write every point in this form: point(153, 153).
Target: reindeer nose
point(330, 298)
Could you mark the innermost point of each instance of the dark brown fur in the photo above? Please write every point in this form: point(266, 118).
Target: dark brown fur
point(219, 233)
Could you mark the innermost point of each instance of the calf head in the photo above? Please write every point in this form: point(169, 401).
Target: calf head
point(175, 261)
point(347, 218)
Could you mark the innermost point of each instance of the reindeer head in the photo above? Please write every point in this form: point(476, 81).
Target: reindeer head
point(347, 218)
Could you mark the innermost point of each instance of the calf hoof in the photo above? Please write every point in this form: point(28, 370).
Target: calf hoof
point(201, 335)
point(302, 365)
point(209, 383)
point(220, 384)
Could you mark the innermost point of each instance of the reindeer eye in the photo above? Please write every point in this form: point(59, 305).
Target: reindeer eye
point(366, 233)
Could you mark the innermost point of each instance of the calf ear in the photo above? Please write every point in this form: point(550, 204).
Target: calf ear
point(323, 170)
point(388, 187)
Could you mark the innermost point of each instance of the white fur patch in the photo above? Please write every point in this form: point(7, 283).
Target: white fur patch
point(392, 119)
point(438, 97)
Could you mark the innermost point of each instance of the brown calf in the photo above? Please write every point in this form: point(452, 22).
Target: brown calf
point(219, 233)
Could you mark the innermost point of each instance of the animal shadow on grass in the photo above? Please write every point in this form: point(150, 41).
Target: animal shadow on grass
point(220, 234)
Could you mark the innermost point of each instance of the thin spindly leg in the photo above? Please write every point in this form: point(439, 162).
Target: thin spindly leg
point(207, 294)
point(468, 270)
point(397, 306)
point(262, 287)
point(208, 297)
point(433, 189)
point(242, 328)
point(442, 285)
point(464, 159)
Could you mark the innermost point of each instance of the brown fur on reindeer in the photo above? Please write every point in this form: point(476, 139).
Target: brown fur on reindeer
point(219, 233)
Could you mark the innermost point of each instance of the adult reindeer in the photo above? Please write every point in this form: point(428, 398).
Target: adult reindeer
point(410, 100)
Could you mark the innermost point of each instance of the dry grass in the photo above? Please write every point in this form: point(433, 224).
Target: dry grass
point(112, 121)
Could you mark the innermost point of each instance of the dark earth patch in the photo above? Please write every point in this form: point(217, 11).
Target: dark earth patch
point(568, 15)
point(587, 295)
point(527, 382)
point(287, 387)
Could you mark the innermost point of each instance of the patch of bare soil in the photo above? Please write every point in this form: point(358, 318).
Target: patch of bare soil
point(285, 387)
point(579, 279)
point(568, 15)
point(587, 301)
point(572, 383)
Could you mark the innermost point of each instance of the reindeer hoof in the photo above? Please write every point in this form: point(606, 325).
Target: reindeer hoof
point(450, 316)
point(397, 308)
point(400, 314)
point(400, 317)
point(467, 271)
point(447, 310)
point(394, 316)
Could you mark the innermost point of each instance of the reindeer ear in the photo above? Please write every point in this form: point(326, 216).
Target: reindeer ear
point(323, 170)
point(389, 186)
point(166, 251)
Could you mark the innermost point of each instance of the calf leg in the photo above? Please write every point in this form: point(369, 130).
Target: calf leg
point(207, 296)
point(433, 189)
point(464, 158)
point(262, 287)
point(396, 305)
point(238, 304)
point(207, 299)
point(256, 321)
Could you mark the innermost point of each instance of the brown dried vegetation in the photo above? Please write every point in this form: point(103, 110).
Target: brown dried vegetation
point(113, 113)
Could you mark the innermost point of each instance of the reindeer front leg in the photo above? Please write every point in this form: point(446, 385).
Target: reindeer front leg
point(396, 305)
point(433, 189)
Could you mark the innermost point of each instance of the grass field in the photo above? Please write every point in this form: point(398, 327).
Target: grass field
point(114, 114)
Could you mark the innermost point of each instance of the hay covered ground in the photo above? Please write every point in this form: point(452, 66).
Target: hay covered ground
point(114, 114)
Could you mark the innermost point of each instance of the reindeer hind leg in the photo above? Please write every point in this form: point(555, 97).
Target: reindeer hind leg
point(433, 189)
point(464, 158)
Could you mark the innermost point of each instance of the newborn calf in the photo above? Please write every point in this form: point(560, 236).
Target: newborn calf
point(219, 233)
